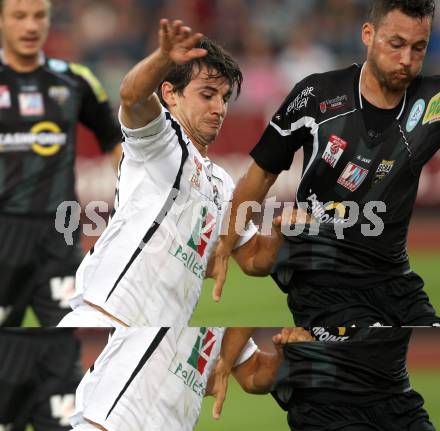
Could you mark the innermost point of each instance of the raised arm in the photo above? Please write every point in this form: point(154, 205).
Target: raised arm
point(139, 103)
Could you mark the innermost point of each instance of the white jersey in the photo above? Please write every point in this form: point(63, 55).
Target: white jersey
point(148, 266)
point(150, 379)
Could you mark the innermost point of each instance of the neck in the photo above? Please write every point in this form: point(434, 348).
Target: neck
point(21, 63)
point(203, 149)
point(199, 142)
point(376, 93)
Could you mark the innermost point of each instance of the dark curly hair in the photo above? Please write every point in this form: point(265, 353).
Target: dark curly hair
point(413, 8)
point(218, 62)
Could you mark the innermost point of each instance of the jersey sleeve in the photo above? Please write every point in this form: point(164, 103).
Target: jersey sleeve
point(248, 350)
point(151, 142)
point(96, 113)
point(288, 130)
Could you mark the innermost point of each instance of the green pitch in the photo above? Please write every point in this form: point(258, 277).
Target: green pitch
point(251, 301)
point(261, 413)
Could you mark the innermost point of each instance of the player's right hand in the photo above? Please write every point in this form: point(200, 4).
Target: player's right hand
point(219, 269)
point(178, 43)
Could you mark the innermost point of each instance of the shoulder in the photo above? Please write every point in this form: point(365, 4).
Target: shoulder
point(322, 95)
point(78, 72)
point(323, 82)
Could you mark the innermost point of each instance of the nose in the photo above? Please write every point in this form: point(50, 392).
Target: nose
point(218, 106)
point(32, 24)
point(406, 56)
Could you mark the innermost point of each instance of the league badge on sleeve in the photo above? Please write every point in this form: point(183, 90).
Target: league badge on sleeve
point(5, 97)
point(333, 152)
point(352, 176)
point(415, 115)
point(31, 104)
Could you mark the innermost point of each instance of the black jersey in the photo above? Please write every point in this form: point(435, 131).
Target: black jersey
point(346, 161)
point(358, 362)
point(39, 112)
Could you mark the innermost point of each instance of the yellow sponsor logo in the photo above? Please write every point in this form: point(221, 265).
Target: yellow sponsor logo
point(92, 80)
point(342, 330)
point(44, 127)
point(338, 207)
point(433, 111)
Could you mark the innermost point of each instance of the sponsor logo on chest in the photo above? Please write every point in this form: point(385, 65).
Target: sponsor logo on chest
point(191, 253)
point(192, 370)
point(195, 178)
point(5, 97)
point(333, 152)
point(31, 104)
point(59, 93)
point(335, 334)
point(352, 176)
point(333, 104)
point(383, 170)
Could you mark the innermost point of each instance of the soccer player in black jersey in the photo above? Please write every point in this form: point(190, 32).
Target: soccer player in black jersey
point(41, 101)
point(350, 379)
point(366, 132)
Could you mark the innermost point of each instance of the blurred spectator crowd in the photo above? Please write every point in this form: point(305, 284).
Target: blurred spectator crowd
point(277, 42)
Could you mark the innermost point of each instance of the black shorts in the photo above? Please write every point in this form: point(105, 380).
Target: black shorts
point(39, 373)
point(37, 269)
point(399, 301)
point(403, 412)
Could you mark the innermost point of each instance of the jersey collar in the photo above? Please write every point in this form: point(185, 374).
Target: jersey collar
point(41, 58)
point(361, 104)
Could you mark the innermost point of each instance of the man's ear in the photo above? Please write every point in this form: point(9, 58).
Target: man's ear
point(168, 94)
point(368, 32)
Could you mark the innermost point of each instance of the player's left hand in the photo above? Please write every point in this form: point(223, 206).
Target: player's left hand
point(291, 335)
point(218, 387)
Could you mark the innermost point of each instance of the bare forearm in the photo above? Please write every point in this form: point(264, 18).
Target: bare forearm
point(233, 342)
point(264, 258)
point(140, 83)
point(262, 377)
point(253, 187)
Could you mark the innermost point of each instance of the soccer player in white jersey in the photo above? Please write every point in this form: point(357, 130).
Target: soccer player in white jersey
point(148, 266)
point(155, 378)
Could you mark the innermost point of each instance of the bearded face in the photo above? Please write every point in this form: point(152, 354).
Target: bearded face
point(396, 49)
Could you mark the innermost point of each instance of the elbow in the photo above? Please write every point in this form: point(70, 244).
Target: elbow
point(126, 94)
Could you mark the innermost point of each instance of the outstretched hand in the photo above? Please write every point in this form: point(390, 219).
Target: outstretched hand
point(218, 269)
point(178, 43)
point(218, 387)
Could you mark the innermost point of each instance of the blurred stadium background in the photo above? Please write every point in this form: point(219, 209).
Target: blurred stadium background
point(277, 43)
point(261, 413)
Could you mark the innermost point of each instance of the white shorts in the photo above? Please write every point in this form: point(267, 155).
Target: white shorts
point(86, 316)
